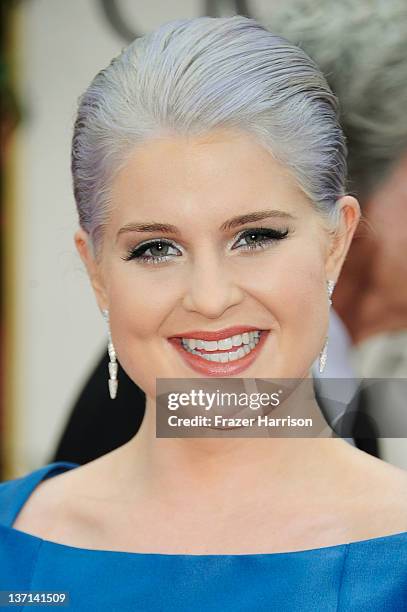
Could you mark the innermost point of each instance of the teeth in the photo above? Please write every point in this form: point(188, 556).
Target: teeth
point(225, 344)
point(252, 338)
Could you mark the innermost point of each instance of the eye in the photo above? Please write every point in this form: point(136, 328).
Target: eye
point(260, 238)
point(158, 249)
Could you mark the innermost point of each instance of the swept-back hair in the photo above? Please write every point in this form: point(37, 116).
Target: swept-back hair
point(193, 75)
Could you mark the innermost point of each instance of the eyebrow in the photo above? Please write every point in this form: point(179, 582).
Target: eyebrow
point(258, 215)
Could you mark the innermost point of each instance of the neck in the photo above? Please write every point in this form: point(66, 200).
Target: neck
point(220, 470)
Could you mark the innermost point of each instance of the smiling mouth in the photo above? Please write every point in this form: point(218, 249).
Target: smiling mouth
point(223, 351)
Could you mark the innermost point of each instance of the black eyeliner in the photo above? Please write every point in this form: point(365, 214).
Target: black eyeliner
point(270, 233)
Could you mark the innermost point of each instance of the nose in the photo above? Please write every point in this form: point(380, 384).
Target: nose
point(211, 288)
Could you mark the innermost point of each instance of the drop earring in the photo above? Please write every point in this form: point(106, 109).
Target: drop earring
point(323, 353)
point(113, 365)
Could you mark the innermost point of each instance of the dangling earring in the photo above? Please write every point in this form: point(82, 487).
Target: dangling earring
point(113, 366)
point(323, 353)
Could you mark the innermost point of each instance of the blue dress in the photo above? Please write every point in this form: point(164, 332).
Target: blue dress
point(368, 575)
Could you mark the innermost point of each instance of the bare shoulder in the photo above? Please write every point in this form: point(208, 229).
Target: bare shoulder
point(56, 502)
point(377, 495)
point(381, 473)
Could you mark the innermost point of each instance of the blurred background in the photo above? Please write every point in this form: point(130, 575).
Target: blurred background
point(52, 334)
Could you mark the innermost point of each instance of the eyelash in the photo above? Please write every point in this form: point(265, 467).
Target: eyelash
point(272, 235)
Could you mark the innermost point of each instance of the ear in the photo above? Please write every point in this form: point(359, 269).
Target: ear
point(340, 240)
point(82, 242)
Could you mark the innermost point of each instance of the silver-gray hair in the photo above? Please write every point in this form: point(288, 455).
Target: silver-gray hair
point(361, 47)
point(192, 75)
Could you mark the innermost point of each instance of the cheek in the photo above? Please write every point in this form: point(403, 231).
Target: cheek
point(292, 284)
point(140, 302)
point(293, 289)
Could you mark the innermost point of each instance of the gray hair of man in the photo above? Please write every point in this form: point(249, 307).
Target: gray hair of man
point(361, 47)
point(193, 75)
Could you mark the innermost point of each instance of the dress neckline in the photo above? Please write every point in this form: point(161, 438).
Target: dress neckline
point(58, 467)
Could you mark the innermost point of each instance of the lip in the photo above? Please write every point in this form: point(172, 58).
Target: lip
point(212, 368)
point(216, 335)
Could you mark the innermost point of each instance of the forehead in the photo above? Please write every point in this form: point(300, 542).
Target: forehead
point(221, 172)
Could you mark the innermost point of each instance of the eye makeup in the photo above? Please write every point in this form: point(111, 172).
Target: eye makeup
point(268, 237)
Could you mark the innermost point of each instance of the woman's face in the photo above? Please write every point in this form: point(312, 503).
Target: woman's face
point(214, 268)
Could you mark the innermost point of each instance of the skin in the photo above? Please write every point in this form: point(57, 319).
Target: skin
point(200, 184)
point(206, 495)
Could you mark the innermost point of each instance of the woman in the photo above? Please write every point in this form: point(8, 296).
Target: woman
point(209, 175)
